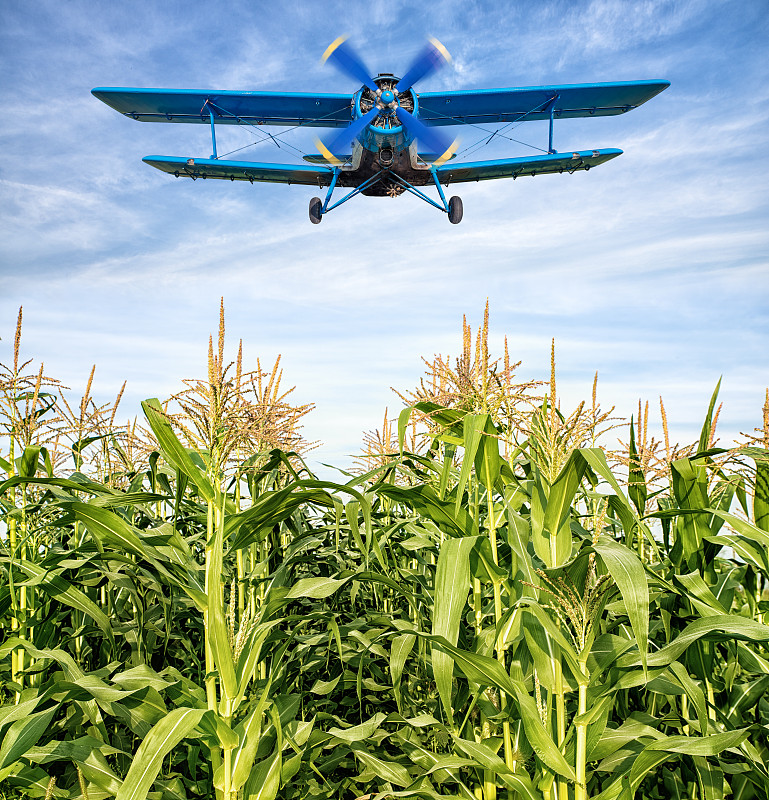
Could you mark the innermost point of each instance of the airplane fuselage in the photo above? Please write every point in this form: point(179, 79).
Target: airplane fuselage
point(385, 146)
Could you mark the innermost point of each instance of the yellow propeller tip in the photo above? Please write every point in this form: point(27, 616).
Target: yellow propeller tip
point(452, 148)
point(326, 153)
point(441, 49)
point(330, 49)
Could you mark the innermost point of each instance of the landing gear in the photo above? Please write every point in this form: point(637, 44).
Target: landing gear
point(316, 214)
point(455, 210)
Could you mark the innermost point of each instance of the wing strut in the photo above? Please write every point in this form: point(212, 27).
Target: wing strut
point(551, 108)
point(213, 130)
point(318, 209)
point(221, 112)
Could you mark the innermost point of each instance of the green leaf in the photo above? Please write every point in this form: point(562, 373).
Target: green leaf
point(403, 422)
point(554, 632)
point(690, 488)
point(613, 739)
point(71, 670)
point(156, 745)
point(519, 534)
point(386, 770)
point(596, 460)
point(694, 692)
point(472, 430)
point(452, 584)
point(761, 497)
point(358, 733)
point(29, 461)
point(316, 588)
point(661, 750)
point(264, 781)
point(173, 450)
point(636, 477)
point(726, 626)
point(59, 588)
point(11, 712)
point(271, 508)
point(487, 671)
point(96, 770)
point(249, 734)
point(743, 527)
point(23, 735)
point(699, 594)
point(630, 576)
point(68, 750)
point(482, 564)
point(216, 627)
point(399, 652)
point(488, 462)
point(424, 500)
point(107, 526)
point(252, 651)
point(557, 510)
point(708, 424)
point(489, 760)
point(710, 778)
point(141, 677)
point(215, 726)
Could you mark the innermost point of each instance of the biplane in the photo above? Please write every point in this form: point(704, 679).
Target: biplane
point(391, 138)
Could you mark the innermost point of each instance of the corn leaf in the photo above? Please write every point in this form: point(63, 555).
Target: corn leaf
point(452, 584)
point(163, 737)
point(628, 573)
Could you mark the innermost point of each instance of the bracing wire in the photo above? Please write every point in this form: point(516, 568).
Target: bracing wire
point(474, 147)
point(500, 132)
point(266, 136)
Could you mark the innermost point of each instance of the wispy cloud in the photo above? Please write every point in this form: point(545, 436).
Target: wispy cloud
point(652, 269)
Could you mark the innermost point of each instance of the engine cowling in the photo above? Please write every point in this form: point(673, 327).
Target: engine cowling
point(385, 131)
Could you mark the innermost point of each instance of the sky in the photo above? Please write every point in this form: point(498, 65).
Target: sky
point(652, 270)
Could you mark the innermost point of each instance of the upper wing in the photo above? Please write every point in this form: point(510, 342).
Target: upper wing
point(533, 102)
point(528, 165)
point(234, 108)
point(241, 170)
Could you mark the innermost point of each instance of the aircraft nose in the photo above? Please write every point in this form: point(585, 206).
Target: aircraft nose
point(387, 96)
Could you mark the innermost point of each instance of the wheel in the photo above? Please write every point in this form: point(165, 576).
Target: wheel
point(455, 210)
point(315, 210)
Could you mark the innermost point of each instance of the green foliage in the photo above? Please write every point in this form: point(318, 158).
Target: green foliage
point(454, 623)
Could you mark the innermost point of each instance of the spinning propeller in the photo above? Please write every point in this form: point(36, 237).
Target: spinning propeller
point(388, 102)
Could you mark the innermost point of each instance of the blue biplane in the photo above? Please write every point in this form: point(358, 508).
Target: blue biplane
point(375, 153)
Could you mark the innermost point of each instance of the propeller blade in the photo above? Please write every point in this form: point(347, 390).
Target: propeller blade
point(429, 138)
point(342, 141)
point(433, 57)
point(344, 58)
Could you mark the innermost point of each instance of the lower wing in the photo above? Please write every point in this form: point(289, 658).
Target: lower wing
point(241, 170)
point(527, 165)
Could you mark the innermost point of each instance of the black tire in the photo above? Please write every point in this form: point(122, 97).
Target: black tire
point(455, 210)
point(315, 210)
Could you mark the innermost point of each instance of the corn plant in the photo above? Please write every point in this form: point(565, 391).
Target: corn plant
point(497, 605)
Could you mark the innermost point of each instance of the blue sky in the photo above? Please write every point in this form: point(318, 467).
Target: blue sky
point(651, 269)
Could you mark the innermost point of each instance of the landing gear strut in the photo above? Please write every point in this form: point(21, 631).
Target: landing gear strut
point(316, 210)
point(393, 183)
point(455, 210)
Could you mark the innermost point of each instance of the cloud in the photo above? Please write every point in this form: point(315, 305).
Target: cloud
point(652, 269)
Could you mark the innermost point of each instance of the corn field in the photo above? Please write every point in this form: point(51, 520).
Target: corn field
point(505, 599)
